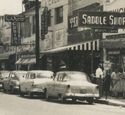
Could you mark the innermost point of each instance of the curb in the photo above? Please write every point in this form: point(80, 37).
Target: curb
point(109, 103)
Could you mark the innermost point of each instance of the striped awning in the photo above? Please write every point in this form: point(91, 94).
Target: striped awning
point(85, 46)
point(25, 61)
point(89, 45)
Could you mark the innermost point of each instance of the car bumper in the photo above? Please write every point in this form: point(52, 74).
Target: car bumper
point(71, 95)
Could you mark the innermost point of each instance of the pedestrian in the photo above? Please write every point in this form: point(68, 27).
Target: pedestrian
point(121, 83)
point(99, 79)
point(99, 74)
point(114, 81)
point(106, 84)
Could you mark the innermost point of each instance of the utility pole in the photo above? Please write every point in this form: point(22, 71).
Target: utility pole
point(37, 34)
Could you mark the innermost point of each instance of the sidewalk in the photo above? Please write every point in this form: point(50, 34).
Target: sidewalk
point(112, 101)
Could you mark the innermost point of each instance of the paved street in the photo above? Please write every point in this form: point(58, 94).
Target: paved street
point(15, 105)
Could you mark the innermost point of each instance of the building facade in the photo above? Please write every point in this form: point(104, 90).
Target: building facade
point(113, 43)
point(71, 50)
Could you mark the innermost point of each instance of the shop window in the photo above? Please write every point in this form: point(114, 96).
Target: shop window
point(59, 15)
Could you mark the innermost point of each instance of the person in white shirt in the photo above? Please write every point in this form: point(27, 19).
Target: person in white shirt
point(99, 79)
point(99, 72)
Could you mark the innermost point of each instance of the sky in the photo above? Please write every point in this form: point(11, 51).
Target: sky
point(10, 7)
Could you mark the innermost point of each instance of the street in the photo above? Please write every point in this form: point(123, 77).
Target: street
point(16, 105)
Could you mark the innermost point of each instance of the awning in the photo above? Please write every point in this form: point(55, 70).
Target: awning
point(89, 45)
point(113, 43)
point(25, 61)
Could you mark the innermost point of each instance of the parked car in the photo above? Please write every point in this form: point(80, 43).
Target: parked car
point(3, 76)
point(72, 85)
point(11, 84)
point(35, 82)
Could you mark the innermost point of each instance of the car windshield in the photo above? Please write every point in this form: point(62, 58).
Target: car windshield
point(75, 76)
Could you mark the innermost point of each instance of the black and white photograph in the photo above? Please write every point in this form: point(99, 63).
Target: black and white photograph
point(62, 57)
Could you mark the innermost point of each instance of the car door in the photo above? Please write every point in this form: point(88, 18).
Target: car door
point(7, 82)
point(59, 85)
point(24, 83)
point(50, 87)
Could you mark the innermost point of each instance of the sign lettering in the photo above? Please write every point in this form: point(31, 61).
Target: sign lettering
point(110, 20)
point(14, 18)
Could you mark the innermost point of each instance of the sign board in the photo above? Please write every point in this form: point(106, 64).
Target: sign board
point(44, 23)
point(110, 20)
point(15, 40)
point(14, 18)
point(102, 19)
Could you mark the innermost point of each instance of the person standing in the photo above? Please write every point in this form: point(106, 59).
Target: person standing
point(99, 73)
point(114, 81)
point(106, 84)
point(99, 79)
point(121, 83)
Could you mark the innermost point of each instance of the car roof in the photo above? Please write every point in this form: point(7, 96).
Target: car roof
point(38, 71)
point(70, 72)
point(18, 71)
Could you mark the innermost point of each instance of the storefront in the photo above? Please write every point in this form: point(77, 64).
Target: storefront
point(84, 56)
point(7, 61)
point(115, 51)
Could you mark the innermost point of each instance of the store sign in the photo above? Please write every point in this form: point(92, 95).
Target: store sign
point(102, 19)
point(14, 18)
point(110, 20)
point(51, 2)
point(15, 40)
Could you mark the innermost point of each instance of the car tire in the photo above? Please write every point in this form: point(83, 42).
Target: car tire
point(90, 100)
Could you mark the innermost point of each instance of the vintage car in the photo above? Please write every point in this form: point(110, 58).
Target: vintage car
point(3, 76)
point(11, 84)
point(35, 82)
point(72, 85)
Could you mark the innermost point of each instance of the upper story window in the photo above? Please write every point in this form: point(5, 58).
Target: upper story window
point(59, 15)
point(49, 18)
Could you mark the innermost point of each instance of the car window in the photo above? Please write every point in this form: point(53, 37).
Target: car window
point(32, 76)
point(72, 76)
point(62, 77)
